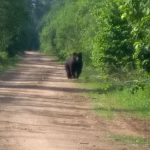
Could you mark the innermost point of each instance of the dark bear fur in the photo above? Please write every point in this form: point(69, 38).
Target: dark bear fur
point(74, 66)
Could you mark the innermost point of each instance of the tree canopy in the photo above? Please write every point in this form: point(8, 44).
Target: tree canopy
point(19, 21)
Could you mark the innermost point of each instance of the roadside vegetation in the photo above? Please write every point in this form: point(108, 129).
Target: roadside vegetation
point(113, 36)
point(111, 102)
point(8, 63)
point(131, 140)
point(19, 26)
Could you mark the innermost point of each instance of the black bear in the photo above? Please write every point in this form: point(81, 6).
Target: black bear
point(74, 66)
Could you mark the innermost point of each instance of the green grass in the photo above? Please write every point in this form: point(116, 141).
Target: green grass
point(109, 102)
point(130, 139)
point(8, 63)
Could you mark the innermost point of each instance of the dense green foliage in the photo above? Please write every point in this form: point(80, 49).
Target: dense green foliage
point(114, 35)
point(19, 21)
point(13, 16)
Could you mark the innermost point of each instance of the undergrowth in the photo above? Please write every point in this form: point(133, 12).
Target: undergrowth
point(8, 63)
point(112, 96)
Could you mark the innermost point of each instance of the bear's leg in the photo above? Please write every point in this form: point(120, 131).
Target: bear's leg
point(73, 71)
point(79, 70)
point(67, 68)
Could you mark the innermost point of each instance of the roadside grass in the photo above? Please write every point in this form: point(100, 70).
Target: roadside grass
point(110, 100)
point(130, 139)
point(8, 63)
point(109, 103)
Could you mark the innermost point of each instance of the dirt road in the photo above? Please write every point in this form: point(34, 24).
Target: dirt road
point(40, 109)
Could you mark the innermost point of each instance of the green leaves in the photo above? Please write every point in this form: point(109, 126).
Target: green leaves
point(13, 19)
point(114, 35)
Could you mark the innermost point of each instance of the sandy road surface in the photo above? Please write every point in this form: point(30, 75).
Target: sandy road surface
point(41, 110)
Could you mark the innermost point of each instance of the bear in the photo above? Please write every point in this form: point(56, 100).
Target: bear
point(74, 65)
point(78, 65)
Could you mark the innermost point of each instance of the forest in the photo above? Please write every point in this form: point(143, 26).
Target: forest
point(19, 23)
point(113, 35)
